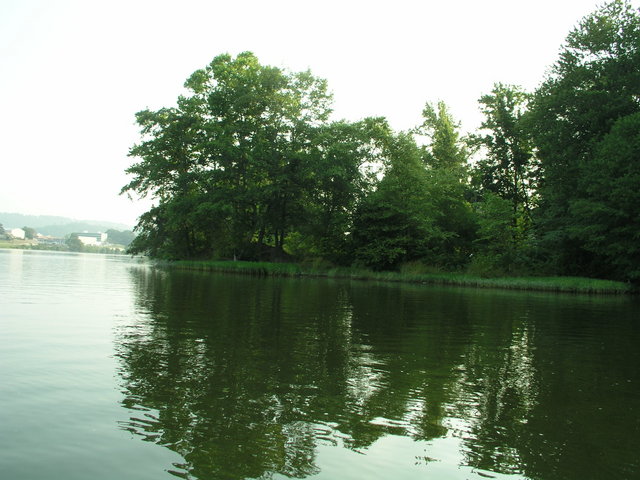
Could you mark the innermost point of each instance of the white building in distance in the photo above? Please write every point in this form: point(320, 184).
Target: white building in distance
point(17, 233)
point(95, 239)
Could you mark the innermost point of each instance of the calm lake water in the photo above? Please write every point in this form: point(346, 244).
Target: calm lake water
point(112, 369)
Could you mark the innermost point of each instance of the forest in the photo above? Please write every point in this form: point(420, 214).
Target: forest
point(249, 165)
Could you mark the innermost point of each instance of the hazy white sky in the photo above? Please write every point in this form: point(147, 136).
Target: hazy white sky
point(73, 73)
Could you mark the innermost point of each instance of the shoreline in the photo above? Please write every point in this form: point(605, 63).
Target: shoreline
point(543, 284)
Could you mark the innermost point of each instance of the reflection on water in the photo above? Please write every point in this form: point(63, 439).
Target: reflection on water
point(268, 378)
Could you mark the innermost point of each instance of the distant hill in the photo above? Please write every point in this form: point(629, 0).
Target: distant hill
point(58, 226)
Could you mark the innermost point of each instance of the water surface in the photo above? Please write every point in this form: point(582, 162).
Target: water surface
point(110, 368)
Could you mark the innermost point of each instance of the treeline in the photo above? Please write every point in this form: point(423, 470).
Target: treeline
point(248, 165)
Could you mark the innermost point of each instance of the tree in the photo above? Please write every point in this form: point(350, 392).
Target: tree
point(497, 243)
point(396, 222)
point(594, 84)
point(504, 180)
point(170, 171)
point(344, 157)
point(445, 156)
point(508, 169)
point(120, 237)
point(229, 164)
point(73, 243)
point(29, 233)
point(444, 148)
point(607, 214)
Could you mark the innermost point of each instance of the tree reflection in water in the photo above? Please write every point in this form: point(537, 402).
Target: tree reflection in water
point(246, 378)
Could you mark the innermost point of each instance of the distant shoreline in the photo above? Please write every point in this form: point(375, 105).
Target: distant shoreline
point(35, 246)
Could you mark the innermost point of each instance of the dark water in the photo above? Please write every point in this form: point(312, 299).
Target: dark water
point(111, 369)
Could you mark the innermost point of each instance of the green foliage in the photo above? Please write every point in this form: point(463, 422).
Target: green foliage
point(412, 272)
point(595, 83)
point(495, 224)
point(445, 156)
point(123, 238)
point(500, 245)
point(453, 216)
point(508, 168)
point(248, 166)
point(504, 179)
point(29, 233)
point(607, 212)
point(73, 243)
point(231, 161)
point(445, 148)
point(395, 223)
point(343, 159)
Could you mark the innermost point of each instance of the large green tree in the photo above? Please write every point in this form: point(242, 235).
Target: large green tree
point(593, 86)
point(345, 157)
point(504, 180)
point(445, 156)
point(396, 223)
point(444, 147)
point(507, 167)
point(607, 213)
point(228, 165)
point(171, 171)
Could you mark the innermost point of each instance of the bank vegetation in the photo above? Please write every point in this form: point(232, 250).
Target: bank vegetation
point(249, 166)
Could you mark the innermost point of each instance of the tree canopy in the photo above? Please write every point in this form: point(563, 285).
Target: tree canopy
point(249, 165)
point(594, 85)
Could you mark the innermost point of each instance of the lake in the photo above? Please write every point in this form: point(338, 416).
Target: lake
point(113, 369)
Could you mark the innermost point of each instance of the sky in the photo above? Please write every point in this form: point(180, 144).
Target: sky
point(73, 73)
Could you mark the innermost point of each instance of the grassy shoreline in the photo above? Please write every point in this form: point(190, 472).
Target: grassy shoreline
point(547, 284)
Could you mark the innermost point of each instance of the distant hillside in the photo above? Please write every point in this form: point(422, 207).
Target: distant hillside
point(58, 226)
